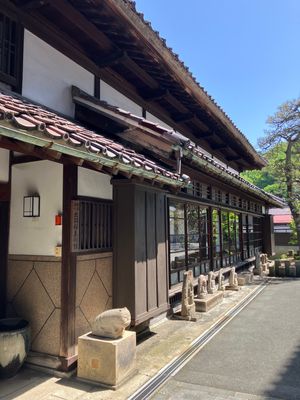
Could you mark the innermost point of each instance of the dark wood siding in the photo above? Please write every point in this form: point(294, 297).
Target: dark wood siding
point(140, 250)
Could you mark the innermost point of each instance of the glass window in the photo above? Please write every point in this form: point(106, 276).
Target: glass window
point(189, 239)
point(10, 53)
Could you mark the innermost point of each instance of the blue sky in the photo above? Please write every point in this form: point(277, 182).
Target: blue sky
point(245, 53)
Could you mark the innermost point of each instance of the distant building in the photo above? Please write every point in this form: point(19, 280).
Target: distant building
point(282, 218)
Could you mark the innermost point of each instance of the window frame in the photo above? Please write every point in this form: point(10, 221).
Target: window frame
point(14, 81)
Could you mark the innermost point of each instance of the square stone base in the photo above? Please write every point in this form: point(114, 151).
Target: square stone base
point(241, 280)
point(108, 362)
point(235, 288)
point(210, 301)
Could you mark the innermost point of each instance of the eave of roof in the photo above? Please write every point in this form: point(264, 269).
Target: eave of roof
point(28, 123)
point(192, 154)
point(181, 73)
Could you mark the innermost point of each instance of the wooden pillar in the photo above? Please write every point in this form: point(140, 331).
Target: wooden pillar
point(68, 271)
point(4, 229)
point(210, 238)
point(268, 235)
point(5, 192)
point(140, 272)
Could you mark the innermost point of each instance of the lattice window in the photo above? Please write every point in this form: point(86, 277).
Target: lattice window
point(92, 225)
point(10, 50)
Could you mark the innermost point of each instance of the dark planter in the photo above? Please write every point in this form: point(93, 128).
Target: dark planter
point(14, 345)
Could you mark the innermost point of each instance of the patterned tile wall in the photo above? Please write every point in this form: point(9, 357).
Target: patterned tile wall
point(33, 293)
point(93, 289)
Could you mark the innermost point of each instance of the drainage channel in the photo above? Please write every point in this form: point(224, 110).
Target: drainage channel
point(170, 369)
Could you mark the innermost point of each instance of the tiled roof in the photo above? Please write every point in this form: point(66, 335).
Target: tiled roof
point(282, 219)
point(40, 121)
point(176, 139)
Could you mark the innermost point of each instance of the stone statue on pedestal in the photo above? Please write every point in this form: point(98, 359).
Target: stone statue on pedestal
point(233, 280)
point(211, 283)
point(202, 287)
point(111, 323)
point(221, 283)
point(188, 308)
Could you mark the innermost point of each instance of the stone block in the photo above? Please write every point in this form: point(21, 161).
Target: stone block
point(235, 288)
point(292, 271)
point(281, 271)
point(241, 280)
point(272, 270)
point(277, 263)
point(107, 362)
point(210, 301)
point(297, 264)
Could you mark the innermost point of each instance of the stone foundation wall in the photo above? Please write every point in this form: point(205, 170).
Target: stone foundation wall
point(34, 293)
point(93, 289)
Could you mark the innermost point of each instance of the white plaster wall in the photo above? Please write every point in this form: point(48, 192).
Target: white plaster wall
point(39, 235)
point(94, 184)
point(115, 98)
point(153, 118)
point(4, 165)
point(48, 75)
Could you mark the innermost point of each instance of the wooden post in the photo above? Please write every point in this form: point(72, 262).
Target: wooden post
point(268, 235)
point(5, 193)
point(68, 270)
point(4, 228)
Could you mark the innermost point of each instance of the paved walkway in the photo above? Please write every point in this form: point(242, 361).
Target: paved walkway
point(168, 341)
point(256, 356)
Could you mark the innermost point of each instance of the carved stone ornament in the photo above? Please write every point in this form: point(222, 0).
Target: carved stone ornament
point(202, 287)
point(233, 280)
point(211, 283)
point(221, 280)
point(188, 308)
point(111, 323)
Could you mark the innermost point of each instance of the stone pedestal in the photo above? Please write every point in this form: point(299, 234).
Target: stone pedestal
point(297, 264)
point(281, 271)
point(241, 280)
point(272, 270)
point(235, 288)
point(211, 300)
point(292, 271)
point(107, 362)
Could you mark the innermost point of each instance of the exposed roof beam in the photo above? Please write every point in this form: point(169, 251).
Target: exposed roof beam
point(219, 146)
point(24, 159)
point(113, 58)
point(233, 158)
point(74, 16)
point(154, 95)
point(183, 117)
point(33, 4)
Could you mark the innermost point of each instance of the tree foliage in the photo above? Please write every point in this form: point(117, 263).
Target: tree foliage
point(281, 148)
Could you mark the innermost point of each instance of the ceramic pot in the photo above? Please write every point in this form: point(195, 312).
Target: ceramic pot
point(14, 345)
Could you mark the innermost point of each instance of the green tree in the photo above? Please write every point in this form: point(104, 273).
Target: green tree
point(282, 143)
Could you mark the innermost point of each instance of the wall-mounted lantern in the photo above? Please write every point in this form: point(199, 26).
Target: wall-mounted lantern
point(31, 206)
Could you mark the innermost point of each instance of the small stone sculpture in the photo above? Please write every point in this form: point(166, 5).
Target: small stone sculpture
point(111, 323)
point(188, 308)
point(250, 269)
point(202, 287)
point(211, 283)
point(233, 280)
point(221, 284)
point(233, 277)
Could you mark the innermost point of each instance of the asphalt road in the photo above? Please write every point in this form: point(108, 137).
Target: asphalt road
point(256, 356)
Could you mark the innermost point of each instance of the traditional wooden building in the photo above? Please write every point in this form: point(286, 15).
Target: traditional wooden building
point(118, 172)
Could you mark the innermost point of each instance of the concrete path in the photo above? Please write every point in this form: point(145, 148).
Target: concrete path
point(256, 356)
